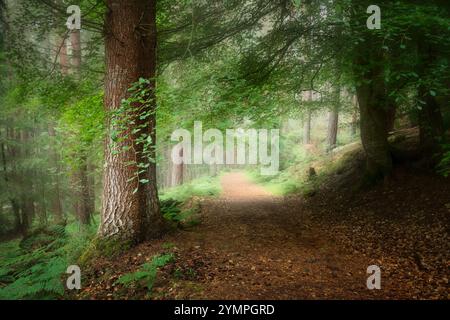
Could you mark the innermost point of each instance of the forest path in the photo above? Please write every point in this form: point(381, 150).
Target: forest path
point(252, 245)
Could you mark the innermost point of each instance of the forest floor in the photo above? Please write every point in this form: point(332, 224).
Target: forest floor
point(253, 245)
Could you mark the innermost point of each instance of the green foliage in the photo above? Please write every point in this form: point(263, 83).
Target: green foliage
point(201, 187)
point(147, 272)
point(171, 211)
point(34, 267)
point(135, 111)
point(284, 183)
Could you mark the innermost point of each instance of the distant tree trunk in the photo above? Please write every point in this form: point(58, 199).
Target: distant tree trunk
point(12, 196)
point(354, 124)
point(83, 198)
point(63, 61)
point(91, 187)
point(56, 205)
point(17, 217)
point(27, 207)
point(130, 46)
point(76, 51)
point(84, 213)
point(177, 172)
point(333, 120)
point(307, 122)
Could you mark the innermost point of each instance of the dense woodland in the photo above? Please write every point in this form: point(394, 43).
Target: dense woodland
point(86, 118)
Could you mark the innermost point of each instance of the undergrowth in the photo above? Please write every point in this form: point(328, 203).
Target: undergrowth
point(147, 272)
point(201, 187)
point(34, 267)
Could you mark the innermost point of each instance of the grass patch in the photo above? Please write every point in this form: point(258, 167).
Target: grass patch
point(280, 185)
point(202, 187)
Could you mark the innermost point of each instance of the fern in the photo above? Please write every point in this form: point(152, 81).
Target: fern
point(147, 272)
point(33, 268)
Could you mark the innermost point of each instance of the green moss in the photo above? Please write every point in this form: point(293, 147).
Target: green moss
point(104, 247)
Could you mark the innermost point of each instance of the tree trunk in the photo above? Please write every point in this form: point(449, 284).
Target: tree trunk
point(75, 39)
point(130, 46)
point(307, 122)
point(354, 124)
point(333, 120)
point(371, 91)
point(83, 202)
point(56, 205)
point(91, 187)
point(82, 193)
point(373, 129)
point(177, 172)
point(63, 61)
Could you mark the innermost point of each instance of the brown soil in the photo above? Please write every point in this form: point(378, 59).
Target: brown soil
point(252, 245)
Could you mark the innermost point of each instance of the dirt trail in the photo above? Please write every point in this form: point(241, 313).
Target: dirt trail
point(236, 186)
point(252, 245)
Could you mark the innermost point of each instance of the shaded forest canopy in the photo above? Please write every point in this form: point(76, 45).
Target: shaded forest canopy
point(86, 115)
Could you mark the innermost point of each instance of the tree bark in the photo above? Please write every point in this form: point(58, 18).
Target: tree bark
point(177, 172)
point(354, 124)
point(75, 39)
point(63, 60)
point(130, 46)
point(333, 120)
point(91, 187)
point(368, 64)
point(80, 185)
point(307, 128)
point(373, 129)
point(307, 122)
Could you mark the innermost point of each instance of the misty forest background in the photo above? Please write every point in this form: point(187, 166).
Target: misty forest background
point(86, 115)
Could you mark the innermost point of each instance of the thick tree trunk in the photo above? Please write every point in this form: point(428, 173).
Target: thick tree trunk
point(373, 129)
point(127, 213)
point(368, 67)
